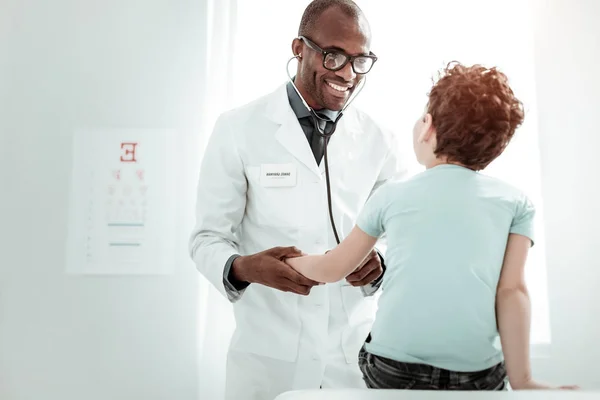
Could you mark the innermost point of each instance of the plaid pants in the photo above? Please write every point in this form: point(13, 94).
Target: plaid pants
point(383, 373)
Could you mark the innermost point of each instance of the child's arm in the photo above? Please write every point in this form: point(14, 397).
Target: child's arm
point(339, 262)
point(513, 312)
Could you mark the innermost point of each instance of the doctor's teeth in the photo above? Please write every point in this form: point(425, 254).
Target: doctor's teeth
point(338, 88)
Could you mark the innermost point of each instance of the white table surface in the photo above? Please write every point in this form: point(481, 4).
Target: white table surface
point(357, 394)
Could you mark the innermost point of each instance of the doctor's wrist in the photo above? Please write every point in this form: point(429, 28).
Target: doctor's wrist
point(239, 272)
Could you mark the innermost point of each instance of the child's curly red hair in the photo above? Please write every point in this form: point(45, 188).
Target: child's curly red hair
point(475, 113)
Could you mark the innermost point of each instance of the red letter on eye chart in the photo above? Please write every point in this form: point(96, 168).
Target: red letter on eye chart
point(129, 154)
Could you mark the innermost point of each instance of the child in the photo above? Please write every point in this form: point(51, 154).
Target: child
point(457, 245)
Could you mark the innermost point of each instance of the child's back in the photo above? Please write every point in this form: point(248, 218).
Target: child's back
point(446, 230)
point(458, 241)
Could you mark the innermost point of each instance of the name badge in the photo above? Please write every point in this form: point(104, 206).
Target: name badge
point(278, 175)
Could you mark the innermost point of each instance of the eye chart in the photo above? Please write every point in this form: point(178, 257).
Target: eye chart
point(120, 212)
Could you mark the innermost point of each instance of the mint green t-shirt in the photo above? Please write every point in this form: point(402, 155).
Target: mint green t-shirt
point(446, 231)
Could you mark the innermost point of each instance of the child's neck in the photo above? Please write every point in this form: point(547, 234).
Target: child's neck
point(442, 161)
point(435, 162)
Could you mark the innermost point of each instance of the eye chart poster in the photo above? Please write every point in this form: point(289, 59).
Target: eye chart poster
point(120, 210)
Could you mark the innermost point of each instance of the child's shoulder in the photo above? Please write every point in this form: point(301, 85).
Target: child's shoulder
point(414, 181)
point(501, 185)
point(399, 190)
point(504, 190)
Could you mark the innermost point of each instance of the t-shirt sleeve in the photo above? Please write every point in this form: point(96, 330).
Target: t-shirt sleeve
point(370, 219)
point(523, 221)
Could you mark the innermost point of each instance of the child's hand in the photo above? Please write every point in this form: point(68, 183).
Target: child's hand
point(533, 385)
point(529, 385)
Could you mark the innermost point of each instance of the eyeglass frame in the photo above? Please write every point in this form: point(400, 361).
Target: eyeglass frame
point(349, 59)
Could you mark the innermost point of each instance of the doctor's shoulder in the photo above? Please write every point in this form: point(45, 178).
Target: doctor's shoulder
point(388, 139)
point(374, 127)
point(381, 134)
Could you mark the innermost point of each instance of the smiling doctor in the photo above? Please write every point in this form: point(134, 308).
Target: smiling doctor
point(276, 182)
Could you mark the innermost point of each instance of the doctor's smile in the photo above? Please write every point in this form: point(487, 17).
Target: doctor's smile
point(338, 90)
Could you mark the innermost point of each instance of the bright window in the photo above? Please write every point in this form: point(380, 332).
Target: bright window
point(413, 40)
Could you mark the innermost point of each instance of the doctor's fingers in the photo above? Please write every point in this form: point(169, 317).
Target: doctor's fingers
point(376, 273)
point(291, 286)
point(373, 267)
point(367, 259)
point(285, 252)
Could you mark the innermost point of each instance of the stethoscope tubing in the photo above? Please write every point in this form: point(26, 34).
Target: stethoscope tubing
point(325, 134)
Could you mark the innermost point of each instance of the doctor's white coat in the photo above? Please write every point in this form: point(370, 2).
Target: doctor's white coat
point(239, 212)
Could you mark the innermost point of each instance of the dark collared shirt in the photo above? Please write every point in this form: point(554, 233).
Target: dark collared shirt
point(303, 114)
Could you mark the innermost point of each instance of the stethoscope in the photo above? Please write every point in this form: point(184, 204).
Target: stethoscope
point(324, 133)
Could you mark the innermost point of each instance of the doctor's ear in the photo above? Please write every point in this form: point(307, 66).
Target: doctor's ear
point(297, 47)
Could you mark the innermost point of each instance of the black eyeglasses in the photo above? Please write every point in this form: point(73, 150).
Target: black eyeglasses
point(336, 60)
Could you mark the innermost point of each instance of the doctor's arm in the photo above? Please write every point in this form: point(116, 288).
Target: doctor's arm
point(221, 201)
point(221, 206)
point(339, 262)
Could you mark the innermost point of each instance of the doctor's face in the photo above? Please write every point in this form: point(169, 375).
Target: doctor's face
point(334, 32)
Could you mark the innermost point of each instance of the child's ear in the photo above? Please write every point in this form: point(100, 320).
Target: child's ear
point(427, 129)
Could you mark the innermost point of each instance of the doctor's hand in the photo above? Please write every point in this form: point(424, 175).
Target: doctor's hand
point(367, 272)
point(269, 268)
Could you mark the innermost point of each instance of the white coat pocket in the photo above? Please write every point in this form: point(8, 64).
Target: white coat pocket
point(278, 175)
point(274, 196)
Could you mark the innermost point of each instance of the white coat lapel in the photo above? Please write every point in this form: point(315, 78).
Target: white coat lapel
point(290, 133)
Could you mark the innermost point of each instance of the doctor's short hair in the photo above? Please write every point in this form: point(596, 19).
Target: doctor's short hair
point(475, 114)
point(317, 7)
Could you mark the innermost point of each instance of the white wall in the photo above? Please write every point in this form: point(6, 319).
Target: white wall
point(66, 64)
point(568, 59)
